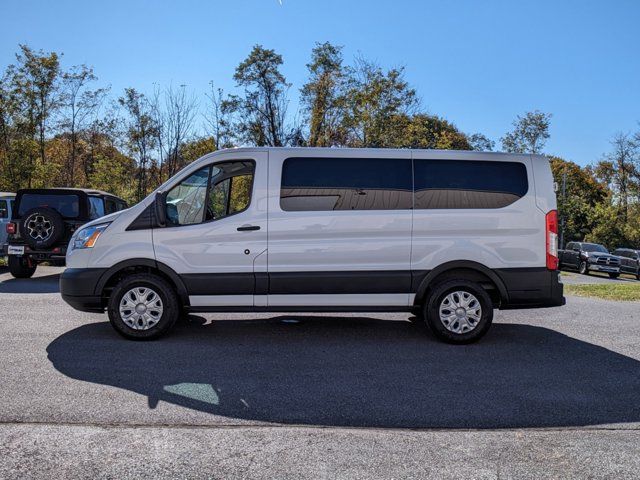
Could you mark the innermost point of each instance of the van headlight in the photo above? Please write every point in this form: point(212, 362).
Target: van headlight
point(88, 236)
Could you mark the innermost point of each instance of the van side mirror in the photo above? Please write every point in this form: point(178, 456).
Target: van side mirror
point(161, 211)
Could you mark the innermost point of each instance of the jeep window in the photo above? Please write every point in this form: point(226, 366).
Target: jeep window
point(592, 247)
point(185, 203)
point(4, 209)
point(230, 190)
point(66, 205)
point(323, 184)
point(468, 183)
point(96, 207)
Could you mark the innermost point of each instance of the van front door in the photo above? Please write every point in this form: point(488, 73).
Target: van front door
point(216, 233)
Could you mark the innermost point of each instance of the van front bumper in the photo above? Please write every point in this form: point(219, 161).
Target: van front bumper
point(78, 288)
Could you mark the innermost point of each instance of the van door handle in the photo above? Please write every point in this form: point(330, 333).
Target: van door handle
point(247, 228)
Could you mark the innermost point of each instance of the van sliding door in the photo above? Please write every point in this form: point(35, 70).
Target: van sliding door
point(339, 228)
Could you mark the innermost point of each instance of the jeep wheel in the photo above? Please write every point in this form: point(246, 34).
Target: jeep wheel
point(41, 227)
point(21, 267)
point(143, 306)
point(459, 311)
point(614, 275)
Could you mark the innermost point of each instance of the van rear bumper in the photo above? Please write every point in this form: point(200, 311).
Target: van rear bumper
point(531, 288)
point(78, 288)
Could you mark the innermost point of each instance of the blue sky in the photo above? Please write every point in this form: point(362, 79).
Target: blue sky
point(477, 63)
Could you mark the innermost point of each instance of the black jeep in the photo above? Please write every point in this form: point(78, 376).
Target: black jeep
point(44, 219)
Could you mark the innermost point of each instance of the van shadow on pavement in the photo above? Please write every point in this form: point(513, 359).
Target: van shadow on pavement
point(38, 284)
point(362, 372)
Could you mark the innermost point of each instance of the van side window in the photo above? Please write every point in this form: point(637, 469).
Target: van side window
point(324, 184)
point(185, 203)
point(4, 209)
point(230, 191)
point(468, 183)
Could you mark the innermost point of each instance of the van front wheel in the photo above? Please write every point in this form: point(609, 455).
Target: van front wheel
point(459, 311)
point(143, 306)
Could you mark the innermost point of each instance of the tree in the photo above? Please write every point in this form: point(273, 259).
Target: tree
point(481, 143)
point(373, 98)
point(78, 103)
point(194, 149)
point(580, 191)
point(141, 134)
point(219, 117)
point(28, 102)
point(37, 80)
point(263, 106)
point(173, 116)
point(323, 96)
point(422, 131)
point(529, 135)
point(619, 170)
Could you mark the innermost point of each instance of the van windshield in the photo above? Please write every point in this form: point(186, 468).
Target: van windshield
point(66, 205)
point(592, 247)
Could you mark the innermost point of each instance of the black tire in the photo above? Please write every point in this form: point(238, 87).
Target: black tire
point(614, 275)
point(638, 274)
point(438, 295)
point(41, 227)
point(21, 267)
point(583, 268)
point(167, 294)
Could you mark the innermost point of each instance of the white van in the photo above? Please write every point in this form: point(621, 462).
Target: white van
point(448, 235)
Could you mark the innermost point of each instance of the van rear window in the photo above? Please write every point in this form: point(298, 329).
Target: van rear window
point(66, 205)
point(468, 183)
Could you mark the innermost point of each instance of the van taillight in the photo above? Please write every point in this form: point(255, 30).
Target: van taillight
point(552, 239)
point(11, 228)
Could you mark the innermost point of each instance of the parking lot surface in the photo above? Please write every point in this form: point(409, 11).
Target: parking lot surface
point(552, 393)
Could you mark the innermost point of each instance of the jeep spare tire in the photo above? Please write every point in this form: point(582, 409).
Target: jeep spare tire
point(41, 227)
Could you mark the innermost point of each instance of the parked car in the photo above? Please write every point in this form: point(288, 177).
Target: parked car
point(43, 220)
point(589, 257)
point(629, 261)
point(449, 235)
point(6, 207)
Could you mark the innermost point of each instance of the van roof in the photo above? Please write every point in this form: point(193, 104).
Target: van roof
point(378, 150)
point(7, 194)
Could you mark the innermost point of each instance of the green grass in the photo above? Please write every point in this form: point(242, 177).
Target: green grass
point(629, 292)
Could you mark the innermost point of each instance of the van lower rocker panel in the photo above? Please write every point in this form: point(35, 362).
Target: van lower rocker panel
point(526, 287)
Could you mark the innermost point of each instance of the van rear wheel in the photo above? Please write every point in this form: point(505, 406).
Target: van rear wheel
point(143, 306)
point(21, 267)
point(458, 311)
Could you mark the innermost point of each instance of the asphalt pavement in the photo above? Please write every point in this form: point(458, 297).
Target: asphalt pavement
point(550, 393)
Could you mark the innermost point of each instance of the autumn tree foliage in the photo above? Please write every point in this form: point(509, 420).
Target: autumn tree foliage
point(60, 127)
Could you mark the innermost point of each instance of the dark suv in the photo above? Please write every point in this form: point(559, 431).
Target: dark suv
point(44, 219)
